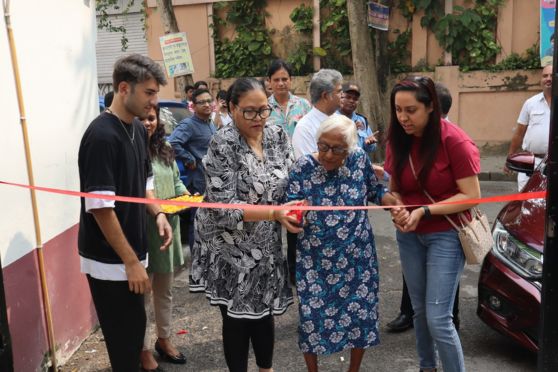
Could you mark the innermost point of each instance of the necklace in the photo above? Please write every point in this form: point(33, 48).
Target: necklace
point(124, 127)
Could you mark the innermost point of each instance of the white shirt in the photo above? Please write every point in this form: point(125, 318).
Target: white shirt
point(304, 136)
point(226, 118)
point(535, 114)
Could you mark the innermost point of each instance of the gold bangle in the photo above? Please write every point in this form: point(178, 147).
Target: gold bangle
point(270, 215)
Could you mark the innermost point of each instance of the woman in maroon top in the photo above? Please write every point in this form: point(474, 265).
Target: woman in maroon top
point(446, 163)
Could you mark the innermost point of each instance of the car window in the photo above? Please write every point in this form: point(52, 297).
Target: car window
point(171, 116)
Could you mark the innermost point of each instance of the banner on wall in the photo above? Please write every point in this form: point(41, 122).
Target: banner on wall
point(378, 16)
point(176, 54)
point(547, 31)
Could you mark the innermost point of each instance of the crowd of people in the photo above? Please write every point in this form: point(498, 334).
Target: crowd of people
point(253, 148)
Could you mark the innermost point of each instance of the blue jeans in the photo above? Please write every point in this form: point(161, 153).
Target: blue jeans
point(432, 265)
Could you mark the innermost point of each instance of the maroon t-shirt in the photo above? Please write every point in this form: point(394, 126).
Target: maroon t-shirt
point(458, 157)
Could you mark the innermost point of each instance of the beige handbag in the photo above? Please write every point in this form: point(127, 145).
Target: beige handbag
point(475, 235)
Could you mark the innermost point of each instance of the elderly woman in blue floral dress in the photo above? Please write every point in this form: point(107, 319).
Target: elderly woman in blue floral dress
point(336, 264)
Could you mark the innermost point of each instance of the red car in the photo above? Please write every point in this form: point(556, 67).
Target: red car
point(509, 287)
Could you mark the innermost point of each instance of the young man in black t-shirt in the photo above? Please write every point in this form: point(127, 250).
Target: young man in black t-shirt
point(113, 160)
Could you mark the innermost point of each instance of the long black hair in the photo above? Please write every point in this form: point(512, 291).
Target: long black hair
point(400, 142)
point(158, 145)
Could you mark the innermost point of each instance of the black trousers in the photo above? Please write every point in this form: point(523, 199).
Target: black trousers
point(121, 314)
point(407, 308)
point(237, 334)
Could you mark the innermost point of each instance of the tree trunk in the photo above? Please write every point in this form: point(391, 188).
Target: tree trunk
point(364, 64)
point(171, 26)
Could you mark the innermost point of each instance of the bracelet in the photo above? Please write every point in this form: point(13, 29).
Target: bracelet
point(427, 213)
point(158, 213)
point(270, 215)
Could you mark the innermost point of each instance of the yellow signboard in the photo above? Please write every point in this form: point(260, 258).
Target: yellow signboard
point(176, 54)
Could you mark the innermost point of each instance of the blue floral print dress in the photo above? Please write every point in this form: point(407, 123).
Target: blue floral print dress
point(336, 264)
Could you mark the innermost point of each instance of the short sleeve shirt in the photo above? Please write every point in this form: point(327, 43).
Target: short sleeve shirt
point(297, 107)
point(304, 137)
point(109, 161)
point(457, 158)
point(535, 114)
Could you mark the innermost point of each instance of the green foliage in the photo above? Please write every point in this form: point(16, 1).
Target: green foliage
point(301, 58)
point(527, 61)
point(433, 10)
point(103, 8)
point(246, 53)
point(335, 37)
point(398, 52)
point(301, 17)
point(469, 34)
point(335, 49)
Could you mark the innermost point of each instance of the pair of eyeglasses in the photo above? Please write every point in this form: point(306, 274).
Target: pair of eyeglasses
point(336, 150)
point(206, 101)
point(250, 114)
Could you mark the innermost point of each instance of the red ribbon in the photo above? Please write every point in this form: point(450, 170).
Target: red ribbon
point(130, 199)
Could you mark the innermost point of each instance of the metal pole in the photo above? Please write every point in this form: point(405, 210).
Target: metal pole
point(548, 340)
point(39, 248)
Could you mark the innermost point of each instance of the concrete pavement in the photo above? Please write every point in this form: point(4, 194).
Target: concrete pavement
point(485, 350)
point(492, 169)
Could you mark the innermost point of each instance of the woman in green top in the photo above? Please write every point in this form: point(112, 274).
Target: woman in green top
point(167, 184)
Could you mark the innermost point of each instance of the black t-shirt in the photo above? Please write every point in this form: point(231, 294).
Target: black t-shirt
point(109, 161)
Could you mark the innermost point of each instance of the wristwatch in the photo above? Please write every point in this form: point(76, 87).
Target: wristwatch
point(427, 213)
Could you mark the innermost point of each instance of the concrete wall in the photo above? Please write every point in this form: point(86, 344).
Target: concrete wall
point(485, 104)
point(192, 19)
point(56, 53)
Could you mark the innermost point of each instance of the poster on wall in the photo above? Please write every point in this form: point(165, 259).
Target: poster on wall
point(378, 16)
point(547, 31)
point(176, 54)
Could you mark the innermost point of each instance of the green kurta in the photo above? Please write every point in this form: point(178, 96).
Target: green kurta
point(167, 185)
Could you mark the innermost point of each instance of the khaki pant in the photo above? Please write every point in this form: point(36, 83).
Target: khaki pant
point(162, 304)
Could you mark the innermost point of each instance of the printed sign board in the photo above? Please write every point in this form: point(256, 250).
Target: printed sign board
point(176, 54)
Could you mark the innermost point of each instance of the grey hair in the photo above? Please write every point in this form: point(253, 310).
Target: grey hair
point(343, 124)
point(324, 80)
point(136, 68)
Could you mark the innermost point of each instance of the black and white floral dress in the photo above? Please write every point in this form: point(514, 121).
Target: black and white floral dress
point(236, 263)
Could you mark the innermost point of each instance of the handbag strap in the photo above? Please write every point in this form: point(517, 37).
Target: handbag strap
point(426, 193)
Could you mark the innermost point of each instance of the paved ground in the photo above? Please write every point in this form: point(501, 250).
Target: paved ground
point(485, 350)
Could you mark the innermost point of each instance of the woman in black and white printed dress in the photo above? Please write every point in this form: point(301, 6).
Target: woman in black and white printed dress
point(237, 259)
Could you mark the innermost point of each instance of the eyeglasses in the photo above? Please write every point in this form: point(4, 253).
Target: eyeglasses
point(336, 150)
point(250, 114)
point(206, 101)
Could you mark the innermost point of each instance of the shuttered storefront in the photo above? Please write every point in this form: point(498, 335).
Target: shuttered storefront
point(109, 46)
